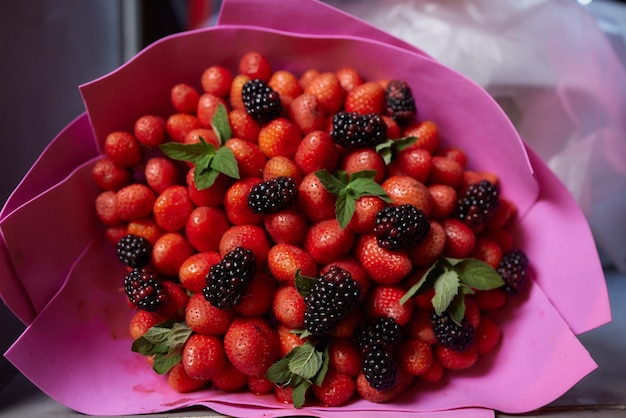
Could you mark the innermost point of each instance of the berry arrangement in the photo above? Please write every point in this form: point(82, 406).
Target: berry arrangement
point(306, 236)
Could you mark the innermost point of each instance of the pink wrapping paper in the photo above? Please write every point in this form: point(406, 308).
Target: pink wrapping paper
point(79, 297)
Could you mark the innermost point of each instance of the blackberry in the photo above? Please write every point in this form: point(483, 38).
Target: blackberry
point(261, 101)
point(400, 102)
point(378, 332)
point(272, 195)
point(380, 369)
point(331, 297)
point(514, 271)
point(228, 280)
point(134, 251)
point(353, 130)
point(450, 334)
point(478, 203)
point(144, 290)
point(400, 227)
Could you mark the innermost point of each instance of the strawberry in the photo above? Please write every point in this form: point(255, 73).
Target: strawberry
point(177, 299)
point(326, 241)
point(383, 266)
point(434, 373)
point(161, 173)
point(431, 248)
point(193, 271)
point(172, 208)
point(344, 356)
point(472, 311)
point(414, 162)
point(305, 111)
point(236, 202)
point(393, 129)
point(314, 200)
point(211, 196)
point(181, 382)
point(203, 356)
point(230, 379)
point(106, 208)
point(216, 80)
point(307, 77)
point(287, 340)
point(336, 389)
point(420, 326)
point(406, 190)
point(145, 227)
point(280, 166)
point(460, 238)
point(364, 159)
point(487, 335)
point(503, 215)
point(236, 101)
point(453, 153)
point(415, 356)
point(489, 300)
point(243, 126)
point(142, 321)
point(149, 130)
point(368, 97)
point(287, 226)
point(193, 137)
point(252, 237)
point(328, 92)
point(286, 84)
point(472, 177)
point(114, 233)
point(204, 318)
point(170, 251)
point(427, 133)
point(179, 124)
point(109, 176)
point(384, 300)
point(250, 158)
point(349, 78)
point(288, 307)
point(316, 151)
point(444, 199)
point(257, 300)
point(283, 394)
point(205, 109)
point(251, 345)
point(456, 360)
point(279, 137)
point(205, 226)
point(259, 385)
point(487, 250)
point(348, 325)
point(255, 65)
point(368, 393)
point(355, 269)
point(446, 171)
point(134, 201)
point(503, 237)
point(284, 260)
point(365, 210)
point(184, 98)
point(123, 149)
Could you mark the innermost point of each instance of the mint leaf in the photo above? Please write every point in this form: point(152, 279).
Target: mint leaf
point(304, 284)
point(331, 183)
point(321, 374)
point(478, 274)
point(298, 394)
point(224, 162)
point(306, 361)
point(388, 149)
point(187, 152)
point(221, 124)
point(279, 372)
point(435, 270)
point(446, 288)
point(457, 308)
point(165, 341)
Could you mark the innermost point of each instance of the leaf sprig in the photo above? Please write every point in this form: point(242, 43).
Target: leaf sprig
point(388, 149)
point(349, 188)
point(165, 341)
point(452, 278)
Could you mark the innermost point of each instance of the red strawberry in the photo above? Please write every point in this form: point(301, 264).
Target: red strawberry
point(287, 340)
point(503, 237)
point(460, 239)
point(257, 299)
point(236, 202)
point(288, 307)
point(203, 356)
point(109, 176)
point(250, 159)
point(161, 173)
point(488, 251)
point(368, 393)
point(368, 97)
point(489, 300)
point(472, 177)
point(284, 260)
point(472, 311)
point(205, 227)
point(192, 273)
point(487, 335)
point(365, 210)
point(364, 159)
point(287, 226)
point(184, 98)
point(260, 385)
point(348, 77)
point(348, 325)
point(230, 379)
point(204, 318)
point(181, 382)
point(407, 190)
point(420, 327)
point(170, 251)
point(251, 345)
point(444, 199)
point(431, 248)
point(236, 101)
point(149, 130)
point(446, 171)
point(281, 167)
point(193, 137)
point(243, 126)
point(305, 111)
point(393, 129)
point(415, 162)
point(279, 137)
point(123, 149)
point(336, 389)
point(145, 227)
point(211, 196)
point(172, 208)
point(307, 76)
point(344, 356)
point(326, 241)
point(383, 266)
point(456, 360)
point(142, 321)
point(177, 299)
point(106, 208)
point(134, 201)
point(427, 133)
point(216, 80)
point(385, 301)
point(415, 356)
point(115, 233)
point(435, 373)
point(316, 151)
point(505, 212)
point(179, 124)
point(314, 200)
point(252, 237)
point(286, 84)
point(453, 153)
point(255, 65)
point(283, 394)
point(328, 91)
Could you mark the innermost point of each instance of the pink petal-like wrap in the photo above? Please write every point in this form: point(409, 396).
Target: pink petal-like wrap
point(539, 358)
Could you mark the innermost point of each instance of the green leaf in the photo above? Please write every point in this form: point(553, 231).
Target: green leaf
point(345, 207)
point(187, 152)
point(165, 341)
point(457, 308)
point(331, 183)
point(304, 284)
point(298, 395)
point(321, 374)
point(367, 187)
point(388, 149)
point(163, 363)
point(224, 161)
point(434, 271)
point(446, 288)
point(221, 125)
point(306, 361)
point(279, 372)
point(204, 178)
point(478, 274)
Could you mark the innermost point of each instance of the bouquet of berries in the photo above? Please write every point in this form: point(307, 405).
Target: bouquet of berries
point(305, 233)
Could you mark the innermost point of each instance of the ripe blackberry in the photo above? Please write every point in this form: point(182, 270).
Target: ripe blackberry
point(272, 195)
point(332, 296)
point(134, 251)
point(261, 101)
point(353, 130)
point(478, 203)
point(400, 101)
point(144, 290)
point(228, 280)
point(380, 369)
point(514, 271)
point(378, 332)
point(399, 227)
point(450, 334)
